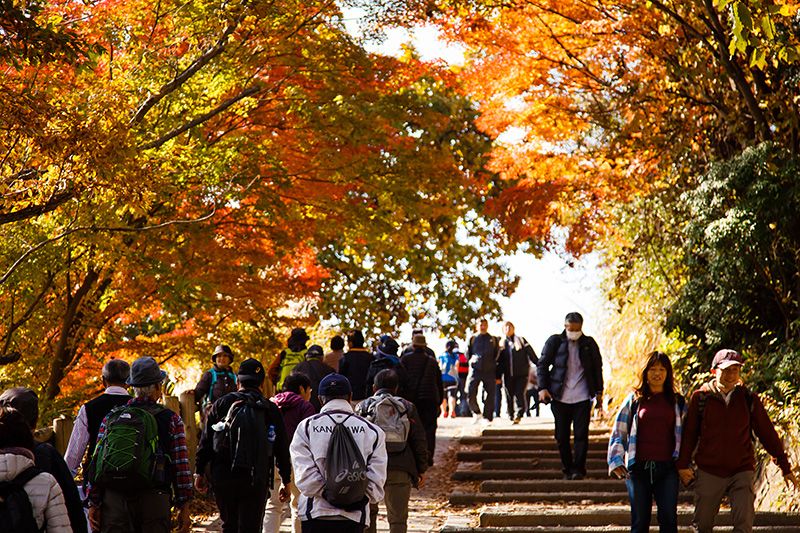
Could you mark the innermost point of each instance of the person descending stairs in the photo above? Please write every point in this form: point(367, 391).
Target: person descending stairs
point(513, 476)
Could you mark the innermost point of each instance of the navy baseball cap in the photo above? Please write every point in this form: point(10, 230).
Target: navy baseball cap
point(334, 385)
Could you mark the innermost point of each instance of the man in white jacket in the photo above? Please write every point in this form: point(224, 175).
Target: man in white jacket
point(309, 450)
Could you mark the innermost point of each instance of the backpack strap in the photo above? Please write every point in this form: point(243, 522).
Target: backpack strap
point(26, 475)
point(346, 418)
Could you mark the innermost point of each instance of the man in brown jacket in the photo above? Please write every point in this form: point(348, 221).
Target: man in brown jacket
point(722, 415)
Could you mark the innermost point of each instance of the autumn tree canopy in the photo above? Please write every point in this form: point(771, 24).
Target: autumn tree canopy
point(660, 133)
point(175, 174)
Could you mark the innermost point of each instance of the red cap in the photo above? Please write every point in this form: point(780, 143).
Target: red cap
point(725, 358)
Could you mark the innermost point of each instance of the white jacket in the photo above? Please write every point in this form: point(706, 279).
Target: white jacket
point(309, 450)
point(43, 491)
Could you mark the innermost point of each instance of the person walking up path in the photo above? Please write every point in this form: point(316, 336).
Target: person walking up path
point(295, 406)
point(337, 351)
point(315, 369)
point(448, 364)
point(424, 388)
point(311, 453)
point(406, 446)
point(46, 457)
point(570, 374)
point(723, 416)
point(354, 365)
point(17, 465)
point(87, 424)
point(644, 445)
point(244, 438)
point(482, 352)
point(114, 507)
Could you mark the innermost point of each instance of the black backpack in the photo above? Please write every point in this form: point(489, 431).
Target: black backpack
point(345, 469)
point(16, 511)
point(245, 439)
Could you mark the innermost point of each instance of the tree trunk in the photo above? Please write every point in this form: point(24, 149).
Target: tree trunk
point(62, 354)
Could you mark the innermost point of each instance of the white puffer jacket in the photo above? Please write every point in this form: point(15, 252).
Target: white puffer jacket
point(43, 491)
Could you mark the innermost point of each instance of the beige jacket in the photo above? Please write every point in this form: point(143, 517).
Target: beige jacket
point(43, 491)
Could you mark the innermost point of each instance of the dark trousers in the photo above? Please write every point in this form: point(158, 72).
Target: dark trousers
point(531, 395)
point(318, 525)
point(146, 511)
point(241, 506)
point(498, 401)
point(575, 417)
point(515, 394)
point(462, 408)
point(651, 480)
point(475, 378)
point(429, 415)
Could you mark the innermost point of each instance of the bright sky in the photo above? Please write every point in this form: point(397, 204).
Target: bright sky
point(549, 288)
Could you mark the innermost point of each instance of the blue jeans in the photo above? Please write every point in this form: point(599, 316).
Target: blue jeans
point(650, 480)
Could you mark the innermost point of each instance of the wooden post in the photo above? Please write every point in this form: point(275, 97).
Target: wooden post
point(188, 408)
point(172, 403)
point(62, 429)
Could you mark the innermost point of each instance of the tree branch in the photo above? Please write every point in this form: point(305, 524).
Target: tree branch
point(111, 229)
point(189, 71)
point(202, 118)
point(36, 210)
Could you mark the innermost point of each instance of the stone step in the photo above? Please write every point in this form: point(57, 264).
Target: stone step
point(480, 475)
point(535, 432)
point(534, 442)
point(618, 516)
point(554, 485)
point(581, 497)
point(471, 498)
point(481, 455)
point(516, 444)
point(602, 529)
point(527, 464)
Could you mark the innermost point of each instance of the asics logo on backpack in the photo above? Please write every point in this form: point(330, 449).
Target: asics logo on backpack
point(351, 475)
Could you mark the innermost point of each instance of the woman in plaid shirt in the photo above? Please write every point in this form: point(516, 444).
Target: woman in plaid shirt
point(645, 443)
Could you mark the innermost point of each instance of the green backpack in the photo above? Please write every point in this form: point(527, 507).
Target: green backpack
point(129, 457)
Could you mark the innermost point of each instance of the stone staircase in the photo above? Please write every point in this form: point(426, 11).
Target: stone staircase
point(513, 476)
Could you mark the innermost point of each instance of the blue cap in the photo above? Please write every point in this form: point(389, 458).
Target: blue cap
point(334, 385)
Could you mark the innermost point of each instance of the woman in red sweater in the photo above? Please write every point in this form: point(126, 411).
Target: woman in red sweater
point(644, 445)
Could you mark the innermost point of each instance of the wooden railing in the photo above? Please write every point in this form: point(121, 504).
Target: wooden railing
point(59, 432)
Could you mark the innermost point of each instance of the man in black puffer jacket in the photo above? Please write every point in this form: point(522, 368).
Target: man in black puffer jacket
point(424, 388)
point(513, 364)
point(570, 373)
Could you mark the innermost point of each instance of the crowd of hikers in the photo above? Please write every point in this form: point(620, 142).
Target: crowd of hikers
point(322, 438)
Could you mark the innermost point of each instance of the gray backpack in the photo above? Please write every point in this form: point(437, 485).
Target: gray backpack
point(391, 415)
